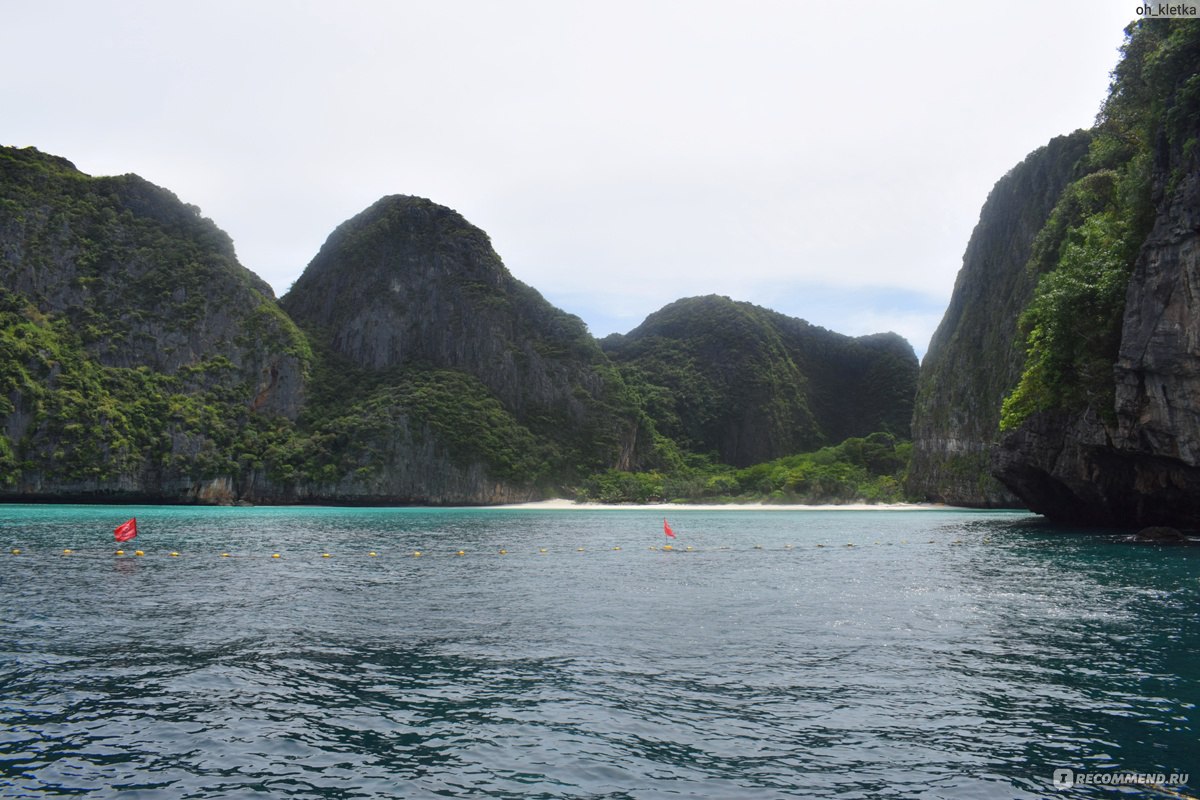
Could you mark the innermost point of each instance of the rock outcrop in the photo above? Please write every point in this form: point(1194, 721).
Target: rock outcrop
point(139, 361)
point(409, 282)
point(1160, 534)
point(751, 385)
point(1139, 466)
point(976, 356)
point(1158, 367)
point(413, 301)
point(1101, 414)
point(135, 348)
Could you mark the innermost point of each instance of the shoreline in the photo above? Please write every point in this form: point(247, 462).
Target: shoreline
point(554, 504)
point(562, 504)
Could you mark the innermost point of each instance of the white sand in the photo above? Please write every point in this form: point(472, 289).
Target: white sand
point(554, 505)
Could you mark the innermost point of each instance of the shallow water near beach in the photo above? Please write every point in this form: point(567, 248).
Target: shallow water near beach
point(860, 654)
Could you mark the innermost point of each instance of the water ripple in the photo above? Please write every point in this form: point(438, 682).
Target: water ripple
point(943, 656)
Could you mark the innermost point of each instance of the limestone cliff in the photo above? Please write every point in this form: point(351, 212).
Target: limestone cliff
point(424, 331)
point(975, 356)
point(751, 385)
point(1102, 424)
point(134, 349)
point(1135, 460)
point(411, 282)
point(1158, 365)
point(140, 361)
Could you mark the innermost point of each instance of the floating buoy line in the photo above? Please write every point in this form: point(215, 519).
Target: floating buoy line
point(454, 552)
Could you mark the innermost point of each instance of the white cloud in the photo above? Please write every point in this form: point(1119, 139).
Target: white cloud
point(636, 151)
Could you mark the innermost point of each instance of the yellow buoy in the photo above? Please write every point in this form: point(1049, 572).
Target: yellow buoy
point(120, 552)
point(325, 555)
point(224, 555)
point(689, 547)
point(274, 555)
point(416, 554)
point(138, 553)
point(67, 552)
point(541, 549)
point(462, 552)
point(579, 549)
point(616, 548)
point(16, 551)
point(173, 554)
point(372, 554)
point(503, 552)
point(667, 547)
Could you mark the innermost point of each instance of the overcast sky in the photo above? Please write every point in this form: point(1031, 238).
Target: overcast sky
point(824, 159)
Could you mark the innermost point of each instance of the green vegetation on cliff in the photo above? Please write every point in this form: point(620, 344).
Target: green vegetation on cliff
point(741, 384)
point(411, 301)
point(353, 414)
point(1073, 323)
point(134, 349)
point(976, 354)
point(862, 469)
point(1085, 253)
point(138, 358)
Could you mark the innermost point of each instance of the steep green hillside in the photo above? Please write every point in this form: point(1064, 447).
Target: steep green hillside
point(140, 360)
point(418, 318)
point(1067, 364)
point(1104, 424)
point(747, 385)
point(976, 355)
point(137, 357)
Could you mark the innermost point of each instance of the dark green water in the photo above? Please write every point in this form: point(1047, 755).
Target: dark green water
point(945, 655)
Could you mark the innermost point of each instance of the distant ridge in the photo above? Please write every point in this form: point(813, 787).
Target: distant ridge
point(752, 384)
point(139, 361)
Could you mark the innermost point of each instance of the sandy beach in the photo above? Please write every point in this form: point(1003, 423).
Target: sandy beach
point(563, 504)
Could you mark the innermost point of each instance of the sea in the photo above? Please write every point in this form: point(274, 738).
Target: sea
point(570, 653)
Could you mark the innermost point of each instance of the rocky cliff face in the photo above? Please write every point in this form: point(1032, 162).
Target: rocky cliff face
point(140, 361)
point(412, 301)
point(1101, 422)
point(975, 356)
point(752, 385)
point(1138, 465)
point(135, 348)
point(1158, 366)
point(411, 282)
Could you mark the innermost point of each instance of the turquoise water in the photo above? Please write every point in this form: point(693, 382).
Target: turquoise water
point(944, 654)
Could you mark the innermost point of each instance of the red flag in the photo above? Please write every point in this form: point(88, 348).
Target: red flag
point(667, 529)
point(126, 530)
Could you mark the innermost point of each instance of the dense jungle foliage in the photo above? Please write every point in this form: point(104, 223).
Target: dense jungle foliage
point(1085, 253)
point(868, 469)
point(743, 385)
point(139, 358)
